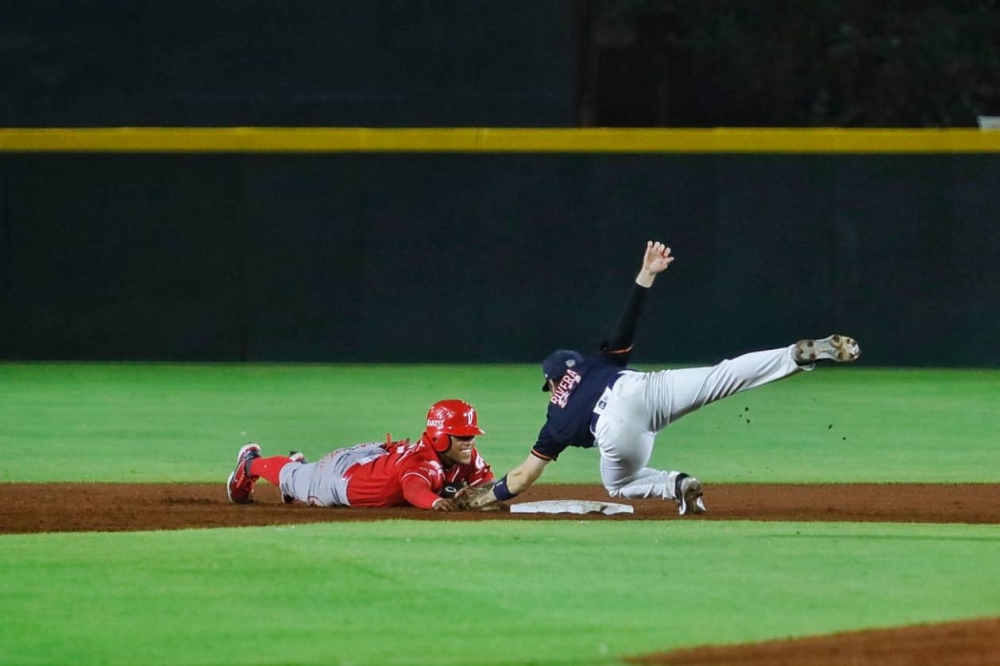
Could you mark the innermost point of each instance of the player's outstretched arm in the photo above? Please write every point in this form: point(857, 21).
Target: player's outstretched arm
point(505, 488)
point(418, 491)
point(656, 260)
point(521, 477)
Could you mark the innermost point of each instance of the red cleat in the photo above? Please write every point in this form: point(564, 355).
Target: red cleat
point(240, 484)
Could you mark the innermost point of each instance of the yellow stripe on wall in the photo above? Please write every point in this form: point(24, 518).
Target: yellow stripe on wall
point(489, 140)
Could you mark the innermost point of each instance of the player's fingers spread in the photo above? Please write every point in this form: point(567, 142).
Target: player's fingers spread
point(446, 505)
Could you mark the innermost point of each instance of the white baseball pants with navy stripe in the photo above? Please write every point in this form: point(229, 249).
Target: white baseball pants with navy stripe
point(640, 404)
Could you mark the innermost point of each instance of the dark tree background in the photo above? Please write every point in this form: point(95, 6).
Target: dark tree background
point(472, 63)
point(777, 63)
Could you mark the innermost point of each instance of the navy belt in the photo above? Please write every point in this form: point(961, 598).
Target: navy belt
point(594, 416)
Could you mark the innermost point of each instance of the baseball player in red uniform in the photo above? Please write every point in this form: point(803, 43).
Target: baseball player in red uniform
point(376, 474)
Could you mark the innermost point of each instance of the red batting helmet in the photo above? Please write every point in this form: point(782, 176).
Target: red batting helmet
point(450, 417)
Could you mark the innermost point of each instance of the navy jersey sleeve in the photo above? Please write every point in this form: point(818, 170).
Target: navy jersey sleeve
point(547, 448)
point(622, 337)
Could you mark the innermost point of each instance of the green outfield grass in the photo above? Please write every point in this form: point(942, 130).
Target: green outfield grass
point(184, 423)
point(413, 592)
point(409, 592)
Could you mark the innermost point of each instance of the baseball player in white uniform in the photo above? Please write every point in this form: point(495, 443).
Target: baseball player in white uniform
point(596, 400)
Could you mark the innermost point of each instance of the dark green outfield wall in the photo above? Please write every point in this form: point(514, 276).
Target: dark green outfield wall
point(492, 257)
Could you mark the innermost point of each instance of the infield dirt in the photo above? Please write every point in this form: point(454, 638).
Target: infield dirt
point(101, 507)
point(77, 507)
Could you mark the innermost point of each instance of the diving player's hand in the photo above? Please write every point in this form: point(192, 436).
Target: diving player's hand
point(656, 260)
point(445, 504)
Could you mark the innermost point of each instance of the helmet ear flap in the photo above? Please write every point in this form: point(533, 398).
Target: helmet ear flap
point(437, 440)
point(440, 441)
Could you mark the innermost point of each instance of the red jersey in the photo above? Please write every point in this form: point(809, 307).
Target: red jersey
point(409, 474)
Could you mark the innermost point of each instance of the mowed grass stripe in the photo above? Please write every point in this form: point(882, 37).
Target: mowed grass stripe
point(403, 592)
point(185, 422)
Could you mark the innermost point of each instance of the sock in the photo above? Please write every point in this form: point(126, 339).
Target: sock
point(269, 468)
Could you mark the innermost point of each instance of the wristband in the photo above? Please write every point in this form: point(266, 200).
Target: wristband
point(500, 490)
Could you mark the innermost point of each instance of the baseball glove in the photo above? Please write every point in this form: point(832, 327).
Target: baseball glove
point(480, 498)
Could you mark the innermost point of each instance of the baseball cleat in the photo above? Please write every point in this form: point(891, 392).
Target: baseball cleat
point(837, 348)
point(239, 487)
point(688, 494)
point(295, 457)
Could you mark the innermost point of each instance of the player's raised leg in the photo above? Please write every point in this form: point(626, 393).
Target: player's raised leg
point(671, 394)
